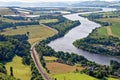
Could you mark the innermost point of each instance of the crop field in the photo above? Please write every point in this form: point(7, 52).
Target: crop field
point(49, 59)
point(58, 68)
point(102, 31)
point(73, 76)
point(19, 70)
point(48, 20)
point(36, 32)
point(115, 25)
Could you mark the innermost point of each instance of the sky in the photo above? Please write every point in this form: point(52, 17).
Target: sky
point(48, 0)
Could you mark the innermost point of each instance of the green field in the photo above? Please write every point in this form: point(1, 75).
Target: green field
point(48, 20)
point(49, 59)
point(115, 25)
point(73, 76)
point(76, 76)
point(37, 32)
point(102, 31)
point(19, 70)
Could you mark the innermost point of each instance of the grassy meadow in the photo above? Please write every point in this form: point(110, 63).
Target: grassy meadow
point(115, 25)
point(48, 20)
point(36, 32)
point(20, 70)
point(73, 76)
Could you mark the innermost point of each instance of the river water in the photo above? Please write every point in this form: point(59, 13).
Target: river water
point(65, 43)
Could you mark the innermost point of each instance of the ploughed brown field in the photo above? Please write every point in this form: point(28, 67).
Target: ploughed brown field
point(58, 68)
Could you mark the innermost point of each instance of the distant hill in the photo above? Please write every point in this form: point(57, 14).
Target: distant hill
point(62, 4)
point(92, 4)
point(39, 4)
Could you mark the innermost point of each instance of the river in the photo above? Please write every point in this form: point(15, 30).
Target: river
point(65, 43)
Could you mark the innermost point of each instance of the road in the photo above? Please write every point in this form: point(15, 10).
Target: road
point(36, 60)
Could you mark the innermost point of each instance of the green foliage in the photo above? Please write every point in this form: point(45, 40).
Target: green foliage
point(35, 74)
point(14, 45)
point(3, 69)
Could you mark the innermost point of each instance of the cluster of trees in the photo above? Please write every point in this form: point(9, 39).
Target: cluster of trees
point(107, 45)
point(103, 23)
point(4, 25)
point(35, 75)
point(65, 58)
point(99, 71)
point(26, 23)
point(14, 17)
point(95, 16)
point(14, 45)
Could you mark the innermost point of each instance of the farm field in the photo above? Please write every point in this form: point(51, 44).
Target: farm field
point(20, 70)
point(102, 31)
point(59, 68)
point(36, 32)
point(115, 25)
point(49, 59)
point(75, 76)
point(48, 20)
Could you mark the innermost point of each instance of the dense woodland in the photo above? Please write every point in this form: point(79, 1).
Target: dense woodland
point(14, 45)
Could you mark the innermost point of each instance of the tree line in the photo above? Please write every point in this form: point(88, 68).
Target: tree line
point(4, 25)
point(107, 45)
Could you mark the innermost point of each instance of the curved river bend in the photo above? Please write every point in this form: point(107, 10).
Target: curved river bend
point(65, 43)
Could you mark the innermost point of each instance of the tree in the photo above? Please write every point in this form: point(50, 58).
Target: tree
point(11, 71)
point(28, 33)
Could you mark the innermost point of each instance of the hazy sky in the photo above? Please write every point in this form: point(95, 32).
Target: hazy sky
point(49, 0)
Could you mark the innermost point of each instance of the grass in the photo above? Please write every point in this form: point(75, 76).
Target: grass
point(48, 20)
point(49, 59)
point(102, 31)
point(6, 11)
point(20, 71)
point(115, 25)
point(37, 32)
point(73, 76)
point(113, 79)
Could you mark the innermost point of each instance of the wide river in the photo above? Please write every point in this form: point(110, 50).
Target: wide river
point(65, 43)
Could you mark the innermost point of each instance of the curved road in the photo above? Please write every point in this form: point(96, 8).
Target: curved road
point(36, 60)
